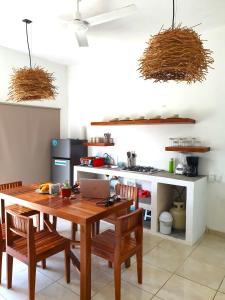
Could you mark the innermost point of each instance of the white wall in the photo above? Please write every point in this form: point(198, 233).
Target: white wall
point(10, 59)
point(105, 84)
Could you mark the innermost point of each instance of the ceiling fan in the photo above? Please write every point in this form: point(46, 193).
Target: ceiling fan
point(81, 26)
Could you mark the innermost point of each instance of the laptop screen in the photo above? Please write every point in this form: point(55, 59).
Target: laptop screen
point(95, 188)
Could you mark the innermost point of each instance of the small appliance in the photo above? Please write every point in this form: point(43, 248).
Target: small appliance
point(92, 161)
point(192, 166)
point(180, 169)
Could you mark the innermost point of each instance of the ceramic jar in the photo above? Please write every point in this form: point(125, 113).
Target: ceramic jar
point(179, 215)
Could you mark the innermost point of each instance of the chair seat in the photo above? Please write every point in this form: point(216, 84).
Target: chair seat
point(45, 243)
point(104, 244)
point(22, 210)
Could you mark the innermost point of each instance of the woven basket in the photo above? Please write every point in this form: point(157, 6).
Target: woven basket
point(175, 54)
point(30, 84)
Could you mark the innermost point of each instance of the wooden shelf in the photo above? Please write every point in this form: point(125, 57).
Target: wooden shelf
point(100, 144)
point(146, 122)
point(187, 149)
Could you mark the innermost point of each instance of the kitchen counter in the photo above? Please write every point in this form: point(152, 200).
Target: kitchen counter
point(116, 171)
point(162, 184)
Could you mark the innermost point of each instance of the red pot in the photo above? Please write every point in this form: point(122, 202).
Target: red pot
point(65, 192)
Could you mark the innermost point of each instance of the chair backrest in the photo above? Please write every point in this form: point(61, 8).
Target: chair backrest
point(128, 192)
point(128, 224)
point(7, 186)
point(20, 226)
point(10, 185)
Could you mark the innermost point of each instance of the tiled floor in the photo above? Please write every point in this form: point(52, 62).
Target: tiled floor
point(171, 271)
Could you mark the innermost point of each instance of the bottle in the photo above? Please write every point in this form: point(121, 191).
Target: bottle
point(171, 165)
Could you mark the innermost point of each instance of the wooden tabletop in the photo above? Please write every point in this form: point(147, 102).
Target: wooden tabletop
point(78, 209)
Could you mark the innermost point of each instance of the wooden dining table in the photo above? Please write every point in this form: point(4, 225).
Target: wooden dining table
point(80, 210)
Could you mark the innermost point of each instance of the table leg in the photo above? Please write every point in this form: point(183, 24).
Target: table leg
point(47, 224)
point(85, 261)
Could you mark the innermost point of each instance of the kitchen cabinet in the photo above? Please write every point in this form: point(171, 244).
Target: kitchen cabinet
point(162, 184)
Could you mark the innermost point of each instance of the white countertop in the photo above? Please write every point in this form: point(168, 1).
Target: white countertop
point(161, 176)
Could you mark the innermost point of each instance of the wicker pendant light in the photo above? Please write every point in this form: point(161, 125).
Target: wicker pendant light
point(176, 54)
point(31, 83)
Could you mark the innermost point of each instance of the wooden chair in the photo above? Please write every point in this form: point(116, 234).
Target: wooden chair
point(31, 247)
point(118, 246)
point(125, 192)
point(21, 210)
point(17, 208)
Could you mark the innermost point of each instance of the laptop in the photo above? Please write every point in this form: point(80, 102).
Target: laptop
point(95, 188)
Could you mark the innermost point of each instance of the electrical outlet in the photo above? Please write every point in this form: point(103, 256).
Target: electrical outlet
point(212, 178)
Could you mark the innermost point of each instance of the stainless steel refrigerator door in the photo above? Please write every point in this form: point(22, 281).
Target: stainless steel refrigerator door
point(61, 148)
point(61, 170)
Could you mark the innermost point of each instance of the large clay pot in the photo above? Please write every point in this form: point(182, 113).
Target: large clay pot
point(179, 215)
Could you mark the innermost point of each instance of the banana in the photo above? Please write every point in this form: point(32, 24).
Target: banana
point(44, 187)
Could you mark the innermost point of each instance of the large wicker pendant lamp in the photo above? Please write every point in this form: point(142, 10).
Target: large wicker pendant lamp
point(31, 83)
point(176, 54)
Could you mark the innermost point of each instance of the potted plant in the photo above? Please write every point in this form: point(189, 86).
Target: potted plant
point(66, 190)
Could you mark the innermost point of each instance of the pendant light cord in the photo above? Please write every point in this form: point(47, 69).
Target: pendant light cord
point(28, 45)
point(173, 14)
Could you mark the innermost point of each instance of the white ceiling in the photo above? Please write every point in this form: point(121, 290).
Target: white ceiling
point(52, 40)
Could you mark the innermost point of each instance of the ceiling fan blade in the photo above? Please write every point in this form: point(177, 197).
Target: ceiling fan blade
point(111, 16)
point(82, 38)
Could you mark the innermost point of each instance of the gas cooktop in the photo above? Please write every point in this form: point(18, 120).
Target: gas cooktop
point(141, 169)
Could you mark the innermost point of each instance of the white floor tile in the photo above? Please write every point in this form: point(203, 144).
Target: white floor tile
point(17, 266)
point(55, 267)
point(219, 296)
point(165, 259)
point(213, 241)
point(178, 288)
point(222, 287)
point(153, 277)
point(99, 280)
point(215, 257)
point(56, 292)
point(150, 241)
point(169, 245)
point(128, 292)
point(19, 290)
point(192, 269)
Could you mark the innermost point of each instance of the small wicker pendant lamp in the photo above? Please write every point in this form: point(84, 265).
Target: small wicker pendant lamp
point(31, 83)
point(176, 54)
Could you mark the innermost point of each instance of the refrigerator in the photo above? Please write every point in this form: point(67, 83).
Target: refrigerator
point(65, 153)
